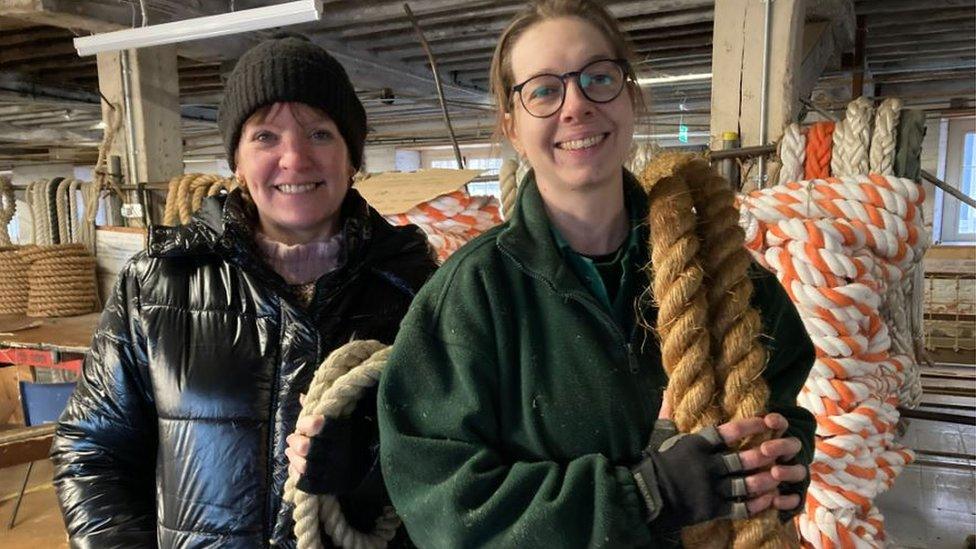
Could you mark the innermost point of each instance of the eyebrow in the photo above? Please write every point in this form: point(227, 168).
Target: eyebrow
point(589, 60)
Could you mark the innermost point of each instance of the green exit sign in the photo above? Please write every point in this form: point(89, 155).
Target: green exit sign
point(682, 133)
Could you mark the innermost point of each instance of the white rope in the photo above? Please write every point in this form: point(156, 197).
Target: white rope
point(856, 138)
point(8, 209)
point(334, 391)
point(885, 136)
point(792, 154)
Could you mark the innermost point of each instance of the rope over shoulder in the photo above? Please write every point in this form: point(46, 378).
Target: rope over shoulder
point(335, 389)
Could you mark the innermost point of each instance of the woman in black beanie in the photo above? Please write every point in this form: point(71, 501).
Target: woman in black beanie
point(176, 434)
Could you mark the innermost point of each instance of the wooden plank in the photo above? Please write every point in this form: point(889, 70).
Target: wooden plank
point(68, 334)
point(396, 192)
point(114, 247)
point(24, 445)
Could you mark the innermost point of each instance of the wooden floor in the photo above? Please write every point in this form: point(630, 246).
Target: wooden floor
point(39, 524)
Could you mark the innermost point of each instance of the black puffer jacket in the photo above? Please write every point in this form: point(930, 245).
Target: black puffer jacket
point(176, 433)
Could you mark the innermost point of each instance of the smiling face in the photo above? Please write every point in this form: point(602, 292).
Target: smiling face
point(296, 166)
point(584, 144)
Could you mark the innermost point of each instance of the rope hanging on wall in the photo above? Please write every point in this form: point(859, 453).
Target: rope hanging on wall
point(508, 185)
point(186, 194)
point(792, 152)
point(8, 209)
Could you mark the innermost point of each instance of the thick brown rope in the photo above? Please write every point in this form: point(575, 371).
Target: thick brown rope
point(739, 357)
point(186, 193)
point(694, 222)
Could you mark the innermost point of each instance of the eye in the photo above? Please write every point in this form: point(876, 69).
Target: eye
point(543, 92)
point(321, 135)
point(263, 136)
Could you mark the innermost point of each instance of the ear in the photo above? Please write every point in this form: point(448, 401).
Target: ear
point(511, 133)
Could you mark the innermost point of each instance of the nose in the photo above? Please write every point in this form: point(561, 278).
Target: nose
point(575, 105)
point(295, 153)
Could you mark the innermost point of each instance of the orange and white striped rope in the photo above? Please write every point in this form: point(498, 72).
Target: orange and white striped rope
point(838, 245)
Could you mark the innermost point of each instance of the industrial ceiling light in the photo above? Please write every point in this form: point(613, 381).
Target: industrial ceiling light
point(211, 26)
point(662, 80)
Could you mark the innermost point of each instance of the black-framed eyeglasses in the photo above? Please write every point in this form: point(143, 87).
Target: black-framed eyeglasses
point(601, 81)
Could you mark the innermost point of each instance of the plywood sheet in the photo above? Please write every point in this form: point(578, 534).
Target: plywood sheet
point(396, 192)
point(69, 334)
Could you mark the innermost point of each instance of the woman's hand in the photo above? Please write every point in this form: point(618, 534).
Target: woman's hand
point(692, 478)
point(299, 443)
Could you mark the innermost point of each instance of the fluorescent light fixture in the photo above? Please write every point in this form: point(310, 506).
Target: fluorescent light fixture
point(662, 80)
point(211, 26)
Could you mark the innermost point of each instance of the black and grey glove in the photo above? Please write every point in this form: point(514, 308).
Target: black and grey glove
point(343, 452)
point(686, 479)
point(789, 488)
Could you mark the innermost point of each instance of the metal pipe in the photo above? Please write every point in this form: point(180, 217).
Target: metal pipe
point(937, 416)
point(130, 129)
point(437, 82)
point(743, 152)
point(763, 90)
point(949, 189)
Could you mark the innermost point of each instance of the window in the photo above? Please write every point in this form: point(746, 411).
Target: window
point(958, 221)
point(967, 219)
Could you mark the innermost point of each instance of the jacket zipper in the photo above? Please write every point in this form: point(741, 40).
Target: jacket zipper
point(272, 517)
point(595, 309)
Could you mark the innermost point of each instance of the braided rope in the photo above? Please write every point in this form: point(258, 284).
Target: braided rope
point(336, 387)
point(839, 164)
point(819, 146)
point(882, 156)
point(51, 192)
point(509, 186)
point(911, 133)
point(8, 209)
point(792, 153)
point(90, 195)
point(852, 154)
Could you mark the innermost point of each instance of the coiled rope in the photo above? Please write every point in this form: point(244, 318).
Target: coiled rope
point(335, 389)
point(851, 144)
point(186, 194)
point(8, 209)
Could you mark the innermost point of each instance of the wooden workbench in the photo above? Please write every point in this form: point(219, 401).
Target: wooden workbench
point(70, 334)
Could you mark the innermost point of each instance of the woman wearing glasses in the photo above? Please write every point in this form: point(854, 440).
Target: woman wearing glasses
point(522, 391)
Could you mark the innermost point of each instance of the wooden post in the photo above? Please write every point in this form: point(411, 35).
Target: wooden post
point(860, 47)
point(157, 147)
point(737, 69)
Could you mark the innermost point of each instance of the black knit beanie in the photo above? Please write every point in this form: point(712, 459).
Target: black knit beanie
point(291, 69)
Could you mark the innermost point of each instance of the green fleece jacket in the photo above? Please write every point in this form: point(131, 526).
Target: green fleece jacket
point(513, 406)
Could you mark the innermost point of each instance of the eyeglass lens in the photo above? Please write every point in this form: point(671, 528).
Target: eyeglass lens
point(600, 82)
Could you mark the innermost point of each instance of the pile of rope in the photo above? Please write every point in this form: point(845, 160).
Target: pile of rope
point(336, 388)
point(13, 280)
point(61, 280)
point(847, 245)
point(8, 208)
point(451, 219)
point(709, 333)
point(186, 194)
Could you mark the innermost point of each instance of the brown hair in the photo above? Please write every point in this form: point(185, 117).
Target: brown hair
point(501, 74)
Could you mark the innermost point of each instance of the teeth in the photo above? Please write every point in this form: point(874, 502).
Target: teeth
point(297, 189)
point(581, 143)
